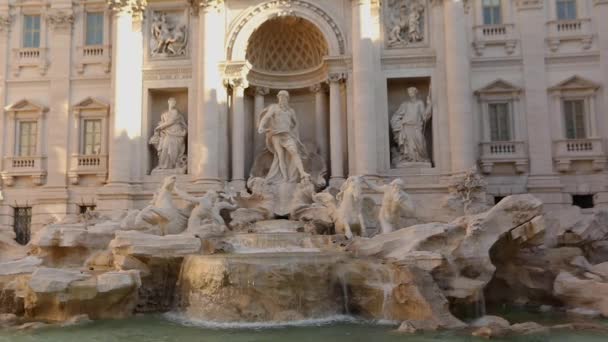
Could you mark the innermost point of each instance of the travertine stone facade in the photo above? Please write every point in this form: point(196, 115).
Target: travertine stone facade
point(518, 88)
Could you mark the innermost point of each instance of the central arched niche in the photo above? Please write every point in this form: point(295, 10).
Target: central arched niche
point(286, 52)
point(286, 45)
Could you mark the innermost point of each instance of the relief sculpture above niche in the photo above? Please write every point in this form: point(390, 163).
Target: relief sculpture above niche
point(404, 22)
point(168, 34)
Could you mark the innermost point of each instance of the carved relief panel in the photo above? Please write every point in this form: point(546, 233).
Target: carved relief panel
point(405, 23)
point(168, 33)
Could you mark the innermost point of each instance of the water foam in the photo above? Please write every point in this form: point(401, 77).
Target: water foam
point(334, 319)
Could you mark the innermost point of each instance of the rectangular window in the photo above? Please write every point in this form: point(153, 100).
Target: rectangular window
point(28, 136)
point(31, 31)
point(566, 9)
point(94, 28)
point(574, 115)
point(491, 12)
point(22, 225)
point(92, 137)
point(500, 121)
point(83, 209)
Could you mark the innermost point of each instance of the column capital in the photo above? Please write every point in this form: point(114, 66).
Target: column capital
point(236, 82)
point(317, 88)
point(262, 91)
point(205, 5)
point(336, 77)
point(5, 22)
point(60, 20)
point(528, 4)
point(133, 7)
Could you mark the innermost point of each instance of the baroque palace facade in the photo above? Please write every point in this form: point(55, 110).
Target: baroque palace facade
point(103, 98)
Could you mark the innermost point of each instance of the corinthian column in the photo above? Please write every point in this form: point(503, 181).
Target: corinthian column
point(238, 133)
point(320, 119)
point(127, 56)
point(258, 107)
point(209, 83)
point(364, 135)
point(336, 144)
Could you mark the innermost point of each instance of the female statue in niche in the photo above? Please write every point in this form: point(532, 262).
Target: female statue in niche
point(408, 125)
point(169, 139)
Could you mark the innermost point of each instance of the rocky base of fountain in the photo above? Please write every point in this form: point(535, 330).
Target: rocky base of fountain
point(276, 271)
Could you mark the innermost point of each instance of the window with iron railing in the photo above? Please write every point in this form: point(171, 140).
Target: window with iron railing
point(22, 224)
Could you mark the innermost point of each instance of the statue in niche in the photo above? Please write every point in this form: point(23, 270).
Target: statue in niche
point(408, 124)
point(169, 140)
point(395, 203)
point(167, 39)
point(278, 121)
point(404, 22)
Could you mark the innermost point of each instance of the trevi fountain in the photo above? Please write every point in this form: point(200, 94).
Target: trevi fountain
point(328, 233)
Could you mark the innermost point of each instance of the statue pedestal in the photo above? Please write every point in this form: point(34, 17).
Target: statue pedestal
point(283, 195)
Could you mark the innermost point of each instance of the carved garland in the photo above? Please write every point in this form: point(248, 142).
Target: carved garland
point(5, 22)
point(287, 9)
point(60, 20)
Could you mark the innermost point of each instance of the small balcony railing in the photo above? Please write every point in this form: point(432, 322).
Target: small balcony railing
point(500, 34)
point(569, 30)
point(29, 57)
point(93, 54)
point(568, 150)
point(94, 164)
point(505, 152)
point(24, 166)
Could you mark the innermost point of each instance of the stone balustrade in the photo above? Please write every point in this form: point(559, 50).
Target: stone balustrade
point(501, 34)
point(24, 166)
point(93, 54)
point(503, 152)
point(569, 30)
point(568, 150)
point(82, 165)
point(29, 57)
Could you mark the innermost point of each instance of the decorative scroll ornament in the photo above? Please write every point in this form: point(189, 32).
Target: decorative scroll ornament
point(128, 6)
point(60, 20)
point(169, 36)
point(404, 21)
point(5, 23)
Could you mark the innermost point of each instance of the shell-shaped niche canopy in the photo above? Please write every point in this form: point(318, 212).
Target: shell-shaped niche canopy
point(285, 45)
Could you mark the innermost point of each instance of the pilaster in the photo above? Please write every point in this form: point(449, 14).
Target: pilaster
point(458, 85)
point(321, 133)
point(238, 132)
point(531, 20)
point(60, 19)
point(336, 144)
point(5, 28)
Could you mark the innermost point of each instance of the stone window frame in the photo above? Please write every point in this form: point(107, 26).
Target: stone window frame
point(22, 56)
point(576, 88)
point(24, 110)
point(90, 108)
point(93, 54)
point(501, 91)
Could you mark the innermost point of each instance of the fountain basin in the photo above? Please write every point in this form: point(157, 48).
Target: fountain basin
point(260, 287)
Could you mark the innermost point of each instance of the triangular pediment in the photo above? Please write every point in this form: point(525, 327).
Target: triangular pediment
point(25, 106)
point(575, 83)
point(91, 103)
point(499, 86)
